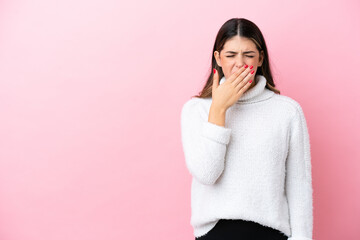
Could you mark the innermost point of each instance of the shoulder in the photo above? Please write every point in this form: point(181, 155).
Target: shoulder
point(288, 104)
point(190, 103)
point(195, 105)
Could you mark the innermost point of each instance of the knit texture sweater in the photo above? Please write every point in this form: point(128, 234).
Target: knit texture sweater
point(257, 167)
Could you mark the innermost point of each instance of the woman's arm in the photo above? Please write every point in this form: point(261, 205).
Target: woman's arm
point(299, 189)
point(204, 144)
point(217, 116)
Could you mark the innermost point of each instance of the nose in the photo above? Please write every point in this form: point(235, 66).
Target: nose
point(239, 62)
point(239, 65)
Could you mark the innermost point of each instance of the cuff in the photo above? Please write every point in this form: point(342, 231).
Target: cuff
point(300, 238)
point(216, 133)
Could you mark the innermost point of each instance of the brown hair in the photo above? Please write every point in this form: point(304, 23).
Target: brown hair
point(243, 28)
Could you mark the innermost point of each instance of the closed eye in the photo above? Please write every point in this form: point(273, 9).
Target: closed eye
point(245, 56)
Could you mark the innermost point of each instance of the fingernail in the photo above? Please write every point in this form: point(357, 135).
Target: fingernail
point(252, 72)
point(214, 70)
point(250, 81)
point(251, 67)
point(245, 66)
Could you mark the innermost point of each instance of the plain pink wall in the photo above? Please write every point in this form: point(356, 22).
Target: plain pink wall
point(90, 100)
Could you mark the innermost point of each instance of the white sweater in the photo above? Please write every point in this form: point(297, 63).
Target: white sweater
point(256, 168)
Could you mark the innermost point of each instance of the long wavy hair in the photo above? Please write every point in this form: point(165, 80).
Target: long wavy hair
point(243, 28)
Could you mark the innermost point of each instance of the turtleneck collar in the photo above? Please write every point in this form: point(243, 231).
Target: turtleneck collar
point(255, 94)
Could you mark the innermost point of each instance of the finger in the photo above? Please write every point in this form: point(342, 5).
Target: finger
point(245, 84)
point(242, 76)
point(215, 79)
point(236, 74)
point(243, 89)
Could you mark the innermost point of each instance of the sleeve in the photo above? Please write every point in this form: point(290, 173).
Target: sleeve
point(204, 144)
point(299, 189)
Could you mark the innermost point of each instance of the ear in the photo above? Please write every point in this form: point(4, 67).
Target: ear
point(217, 58)
point(261, 58)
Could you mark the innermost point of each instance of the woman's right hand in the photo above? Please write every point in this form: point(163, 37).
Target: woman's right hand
point(227, 93)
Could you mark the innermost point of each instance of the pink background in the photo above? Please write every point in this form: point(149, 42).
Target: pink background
point(90, 100)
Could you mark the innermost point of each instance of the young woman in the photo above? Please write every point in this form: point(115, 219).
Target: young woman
point(247, 147)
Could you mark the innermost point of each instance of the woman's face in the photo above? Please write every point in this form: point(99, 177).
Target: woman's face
point(237, 52)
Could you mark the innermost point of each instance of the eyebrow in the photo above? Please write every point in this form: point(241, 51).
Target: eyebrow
point(243, 52)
